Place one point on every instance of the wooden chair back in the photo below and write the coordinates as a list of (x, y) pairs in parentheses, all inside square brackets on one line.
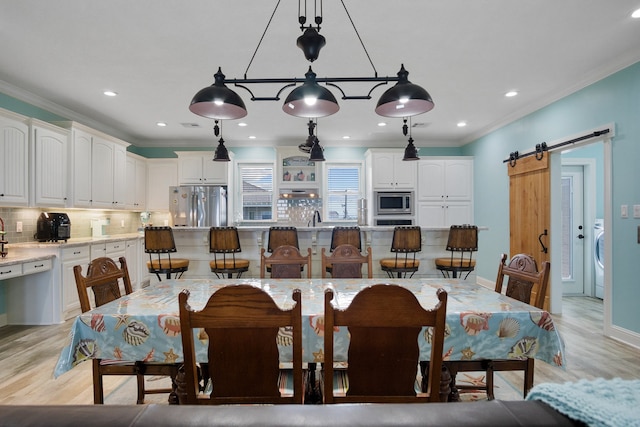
[(345, 236), (384, 322), (346, 262), (406, 239), (242, 324), (524, 279), (104, 279), (159, 240), (281, 236), (224, 240), (285, 262)]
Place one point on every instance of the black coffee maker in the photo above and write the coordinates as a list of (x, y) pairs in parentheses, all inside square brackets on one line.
[(52, 227)]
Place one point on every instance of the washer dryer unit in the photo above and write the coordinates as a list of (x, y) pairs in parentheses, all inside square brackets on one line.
[(598, 257)]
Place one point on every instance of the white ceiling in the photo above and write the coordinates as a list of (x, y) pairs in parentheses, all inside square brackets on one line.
[(61, 55)]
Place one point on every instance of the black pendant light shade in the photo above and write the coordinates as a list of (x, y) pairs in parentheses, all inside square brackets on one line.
[(317, 152), (411, 152), (311, 42), (221, 154), (310, 100), (306, 147), (404, 99), (218, 101)]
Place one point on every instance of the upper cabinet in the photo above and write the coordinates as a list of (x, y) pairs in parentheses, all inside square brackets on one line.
[(14, 159), (98, 168), (136, 176), (49, 153), (198, 167), (389, 171), (445, 191)]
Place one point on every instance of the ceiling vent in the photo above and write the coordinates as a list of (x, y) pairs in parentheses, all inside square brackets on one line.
[(190, 125)]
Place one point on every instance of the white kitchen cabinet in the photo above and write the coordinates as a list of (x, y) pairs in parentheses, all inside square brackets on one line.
[(296, 171), (98, 165), (439, 214), (161, 174), (50, 145), (445, 179), (198, 167), (108, 174), (132, 255), (70, 257), (80, 179), (389, 171), (445, 191), (136, 178), (14, 159)]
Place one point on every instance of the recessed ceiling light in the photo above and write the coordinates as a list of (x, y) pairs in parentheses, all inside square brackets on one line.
[(346, 137), (110, 93), (511, 93), (636, 13), (161, 124), (382, 124), (242, 124), (462, 124), (252, 137)]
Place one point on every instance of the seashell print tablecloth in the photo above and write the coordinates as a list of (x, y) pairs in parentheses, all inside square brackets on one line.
[(481, 324)]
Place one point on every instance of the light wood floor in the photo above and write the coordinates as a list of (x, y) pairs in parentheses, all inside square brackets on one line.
[(29, 354)]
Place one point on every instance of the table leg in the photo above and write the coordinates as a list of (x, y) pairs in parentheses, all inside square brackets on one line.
[(445, 381)]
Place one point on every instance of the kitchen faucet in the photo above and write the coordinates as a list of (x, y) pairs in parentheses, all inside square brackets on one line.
[(316, 214)]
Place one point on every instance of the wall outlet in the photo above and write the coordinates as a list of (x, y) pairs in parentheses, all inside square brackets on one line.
[(19, 227), (636, 211), (624, 211), (122, 223)]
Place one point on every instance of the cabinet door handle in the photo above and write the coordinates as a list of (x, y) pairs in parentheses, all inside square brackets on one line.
[(77, 252), (6, 272), (38, 266)]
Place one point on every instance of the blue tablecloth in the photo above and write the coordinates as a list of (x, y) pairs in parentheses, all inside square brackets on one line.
[(481, 324)]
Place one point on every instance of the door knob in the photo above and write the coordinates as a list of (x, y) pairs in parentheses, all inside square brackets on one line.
[(580, 236)]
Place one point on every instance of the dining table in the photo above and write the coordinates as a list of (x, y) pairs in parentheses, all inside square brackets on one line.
[(145, 326)]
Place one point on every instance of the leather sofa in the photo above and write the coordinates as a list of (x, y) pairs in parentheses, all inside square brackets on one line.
[(486, 413)]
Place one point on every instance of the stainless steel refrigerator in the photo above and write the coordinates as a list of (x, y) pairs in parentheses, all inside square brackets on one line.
[(198, 206)]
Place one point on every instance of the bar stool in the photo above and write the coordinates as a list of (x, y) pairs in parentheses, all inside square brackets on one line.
[(282, 236), (159, 241), (462, 243), (225, 240), (406, 240), (344, 236)]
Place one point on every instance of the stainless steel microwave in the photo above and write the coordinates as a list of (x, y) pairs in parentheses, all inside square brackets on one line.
[(394, 203)]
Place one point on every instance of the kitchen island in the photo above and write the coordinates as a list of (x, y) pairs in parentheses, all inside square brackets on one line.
[(193, 243)]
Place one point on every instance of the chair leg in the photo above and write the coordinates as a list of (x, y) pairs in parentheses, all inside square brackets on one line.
[(98, 393), (489, 380), (140, 381), (528, 376)]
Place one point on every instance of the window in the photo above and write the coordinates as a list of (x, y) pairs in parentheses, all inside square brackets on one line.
[(343, 189), (256, 191)]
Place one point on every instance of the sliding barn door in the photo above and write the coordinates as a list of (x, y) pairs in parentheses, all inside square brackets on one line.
[(529, 209)]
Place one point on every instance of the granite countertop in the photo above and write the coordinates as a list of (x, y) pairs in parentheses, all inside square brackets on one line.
[(317, 228), (20, 257)]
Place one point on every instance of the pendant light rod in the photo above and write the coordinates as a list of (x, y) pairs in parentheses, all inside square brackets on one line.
[(262, 37), (359, 38)]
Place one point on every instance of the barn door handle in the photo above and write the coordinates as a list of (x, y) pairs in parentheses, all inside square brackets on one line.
[(544, 248)]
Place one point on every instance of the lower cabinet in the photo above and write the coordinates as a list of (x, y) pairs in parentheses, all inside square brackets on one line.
[(132, 255), (70, 257)]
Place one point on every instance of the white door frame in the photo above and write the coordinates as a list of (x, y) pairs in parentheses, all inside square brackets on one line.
[(589, 215)]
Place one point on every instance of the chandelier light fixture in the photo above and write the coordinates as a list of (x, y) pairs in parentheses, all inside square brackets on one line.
[(306, 147), (410, 152), (309, 99), (221, 154)]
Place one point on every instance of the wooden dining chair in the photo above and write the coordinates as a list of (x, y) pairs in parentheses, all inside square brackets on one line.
[(341, 236), (281, 236), (346, 262), (285, 262), (224, 244), (105, 279), (462, 242), (406, 242), (523, 280), (159, 241), (384, 322), (243, 324)]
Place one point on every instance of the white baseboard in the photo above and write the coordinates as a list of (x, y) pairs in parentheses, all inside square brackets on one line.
[(489, 284), (624, 336)]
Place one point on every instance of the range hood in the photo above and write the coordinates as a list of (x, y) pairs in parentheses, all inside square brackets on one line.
[(299, 193)]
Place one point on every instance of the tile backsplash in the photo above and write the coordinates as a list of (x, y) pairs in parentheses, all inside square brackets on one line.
[(119, 222)]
